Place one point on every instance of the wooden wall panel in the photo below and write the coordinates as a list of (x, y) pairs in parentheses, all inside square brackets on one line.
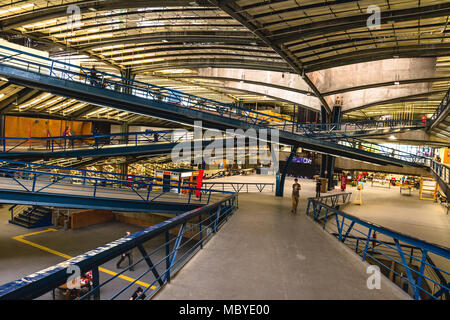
[(90, 217), (21, 127)]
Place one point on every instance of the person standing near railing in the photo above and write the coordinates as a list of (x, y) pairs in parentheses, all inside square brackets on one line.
[(95, 133), (94, 78), (70, 134), (64, 134), (47, 144)]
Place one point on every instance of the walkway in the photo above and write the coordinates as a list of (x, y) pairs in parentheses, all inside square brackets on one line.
[(87, 196), (264, 252)]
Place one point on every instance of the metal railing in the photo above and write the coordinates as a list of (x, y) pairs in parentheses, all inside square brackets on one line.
[(98, 141), (148, 189), (357, 244), (443, 106), (440, 169), (239, 187), (164, 248), (376, 244), (386, 151), (334, 200), (319, 129)]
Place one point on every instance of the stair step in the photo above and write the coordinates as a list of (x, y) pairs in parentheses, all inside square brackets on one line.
[(21, 222), (29, 217), (42, 210), (18, 223)]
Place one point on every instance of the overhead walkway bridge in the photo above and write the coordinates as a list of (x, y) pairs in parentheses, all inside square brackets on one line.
[(43, 185), (192, 229), (145, 99), (441, 173), (107, 145)]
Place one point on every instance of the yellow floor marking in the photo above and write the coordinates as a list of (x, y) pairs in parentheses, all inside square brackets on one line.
[(65, 256)]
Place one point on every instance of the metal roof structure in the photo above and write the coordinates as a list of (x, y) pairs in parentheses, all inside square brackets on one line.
[(171, 43)]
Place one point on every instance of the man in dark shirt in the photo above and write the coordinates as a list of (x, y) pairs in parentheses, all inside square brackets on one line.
[(138, 295), (295, 195), (126, 255)]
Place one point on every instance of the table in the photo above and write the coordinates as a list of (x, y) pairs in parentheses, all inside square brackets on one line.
[(74, 292)]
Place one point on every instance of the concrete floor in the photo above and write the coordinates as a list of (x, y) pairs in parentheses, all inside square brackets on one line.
[(67, 188), (265, 252)]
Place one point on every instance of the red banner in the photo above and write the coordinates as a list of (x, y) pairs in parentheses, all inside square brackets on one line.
[(343, 182), (199, 182)]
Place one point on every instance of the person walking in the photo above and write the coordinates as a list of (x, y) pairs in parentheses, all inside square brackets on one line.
[(64, 134), (318, 187), (295, 195), (126, 255)]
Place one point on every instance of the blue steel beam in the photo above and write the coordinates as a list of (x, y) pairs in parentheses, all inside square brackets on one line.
[(143, 149), (80, 202), (279, 189)]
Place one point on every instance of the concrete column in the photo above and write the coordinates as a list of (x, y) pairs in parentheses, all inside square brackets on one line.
[(335, 118), (123, 168), (2, 125), (96, 282)]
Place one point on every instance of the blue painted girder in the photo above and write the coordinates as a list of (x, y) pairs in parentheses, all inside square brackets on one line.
[(84, 202), (109, 151)]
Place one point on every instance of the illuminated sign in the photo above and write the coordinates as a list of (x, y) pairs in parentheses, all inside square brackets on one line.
[(301, 160)]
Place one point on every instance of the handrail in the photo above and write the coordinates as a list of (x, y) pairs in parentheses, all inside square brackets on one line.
[(40, 182), (345, 224), (84, 171), (39, 283), (239, 186), (434, 269), (380, 149), (95, 141), (440, 170), (443, 105)]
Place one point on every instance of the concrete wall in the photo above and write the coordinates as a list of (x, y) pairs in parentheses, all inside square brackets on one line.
[(146, 220), (90, 217), (21, 127)]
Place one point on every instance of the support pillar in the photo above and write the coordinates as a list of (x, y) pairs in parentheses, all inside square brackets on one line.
[(124, 168), (323, 162), (96, 282), (124, 128), (280, 179), (335, 118)]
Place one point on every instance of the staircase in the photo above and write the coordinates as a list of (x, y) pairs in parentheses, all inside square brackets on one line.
[(30, 216)]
